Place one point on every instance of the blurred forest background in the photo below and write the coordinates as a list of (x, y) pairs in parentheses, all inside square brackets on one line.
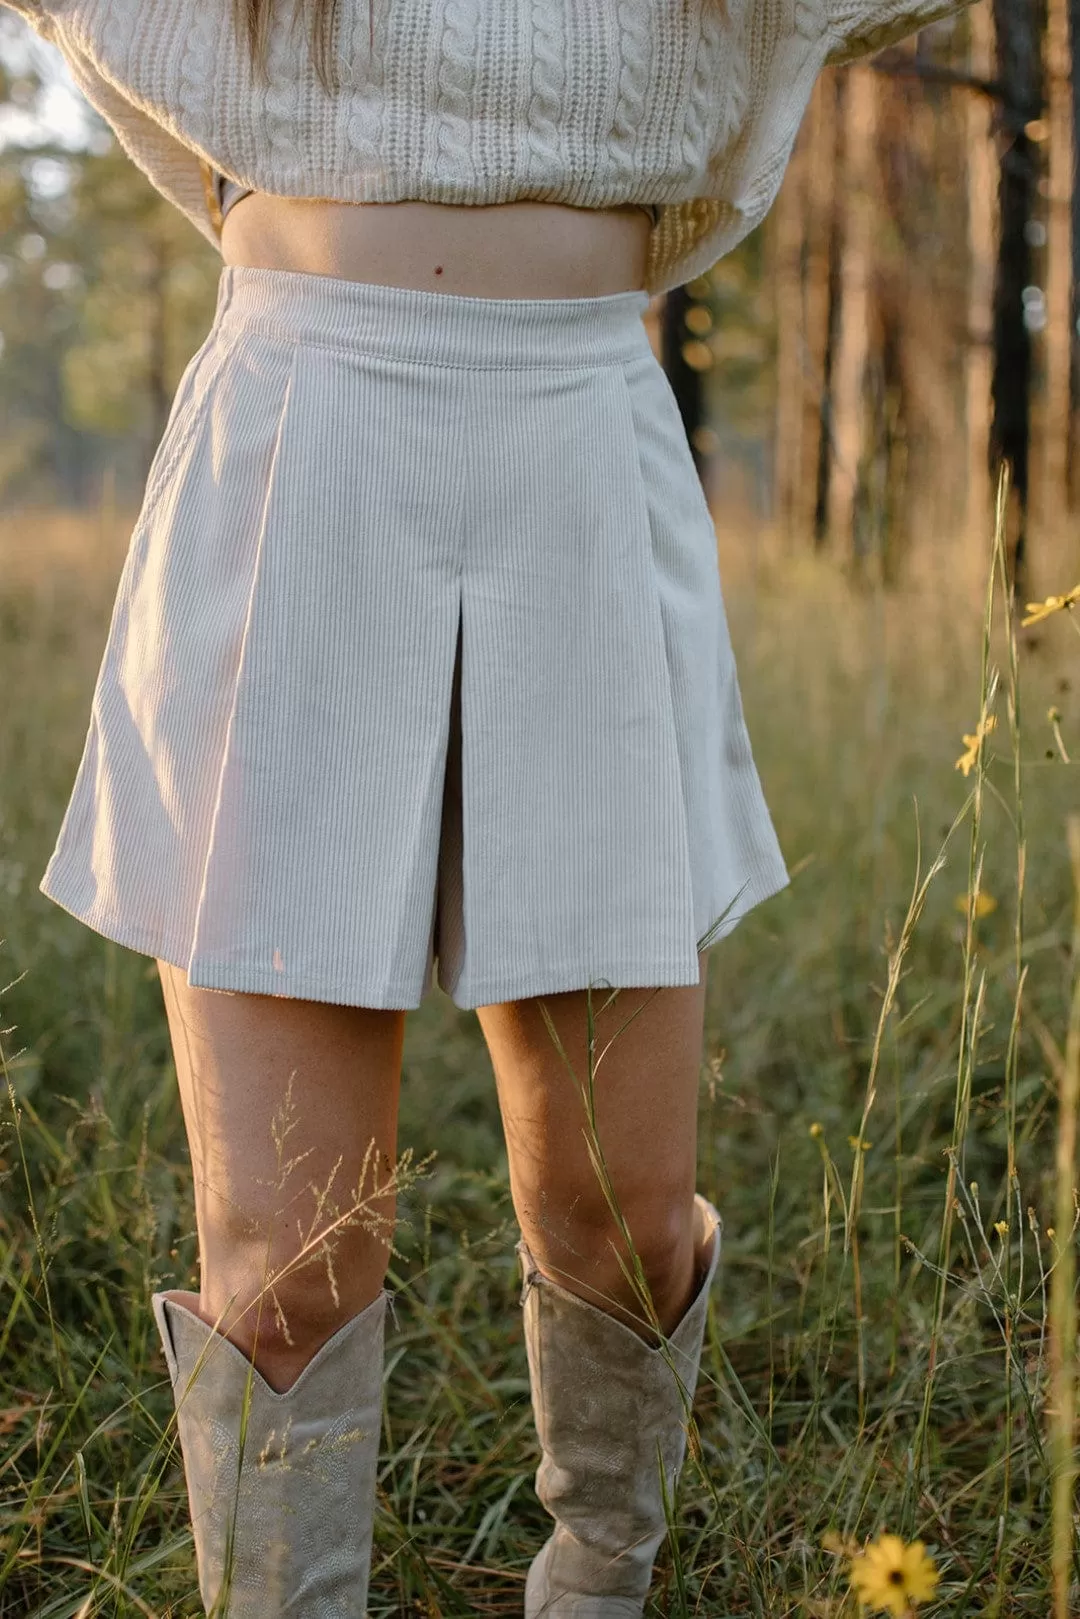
[(853, 376)]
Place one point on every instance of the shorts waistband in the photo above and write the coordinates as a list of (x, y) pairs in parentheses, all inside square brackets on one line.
[(433, 328)]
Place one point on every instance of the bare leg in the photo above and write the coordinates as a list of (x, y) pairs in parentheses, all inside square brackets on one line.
[(291, 1115), (646, 1095)]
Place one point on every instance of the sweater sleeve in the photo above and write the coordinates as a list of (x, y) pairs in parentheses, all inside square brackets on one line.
[(860, 27), (182, 175)]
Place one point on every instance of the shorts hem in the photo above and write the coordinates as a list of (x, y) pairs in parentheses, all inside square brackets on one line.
[(247, 978), (627, 973), (226, 978)]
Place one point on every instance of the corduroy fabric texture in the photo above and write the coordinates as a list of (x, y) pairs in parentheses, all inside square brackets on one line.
[(694, 104), (418, 652)]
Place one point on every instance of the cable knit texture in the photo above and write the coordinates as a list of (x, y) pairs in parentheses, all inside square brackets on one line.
[(692, 104)]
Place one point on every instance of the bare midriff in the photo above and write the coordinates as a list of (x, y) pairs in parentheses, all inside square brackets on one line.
[(520, 249)]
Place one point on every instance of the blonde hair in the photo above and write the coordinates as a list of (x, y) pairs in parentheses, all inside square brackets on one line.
[(254, 17)]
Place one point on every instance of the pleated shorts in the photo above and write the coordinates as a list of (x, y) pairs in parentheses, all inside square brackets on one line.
[(418, 670)]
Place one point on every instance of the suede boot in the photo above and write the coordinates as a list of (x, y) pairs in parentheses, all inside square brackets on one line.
[(602, 1399), (283, 1522)]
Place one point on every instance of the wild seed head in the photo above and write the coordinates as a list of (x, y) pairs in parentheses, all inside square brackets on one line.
[(1037, 611)]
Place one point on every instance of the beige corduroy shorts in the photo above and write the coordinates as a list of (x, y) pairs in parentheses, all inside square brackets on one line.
[(418, 654)]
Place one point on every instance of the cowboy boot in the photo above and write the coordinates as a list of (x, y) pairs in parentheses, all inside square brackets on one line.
[(282, 1507), (603, 1400)]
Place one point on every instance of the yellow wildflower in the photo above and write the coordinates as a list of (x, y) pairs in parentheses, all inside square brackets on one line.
[(968, 760), (858, 1144), (1001, 1227), (891, 1577), (1036, 611), (985, 904), (815, 1130)]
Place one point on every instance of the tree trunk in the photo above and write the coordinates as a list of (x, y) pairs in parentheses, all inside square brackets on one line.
[(819, 335), (788, 241), (832, 303), (1019, 31), (907, 391), (981, 233), (855, 309), (803, 230), (1054, 437), (1073, 450)]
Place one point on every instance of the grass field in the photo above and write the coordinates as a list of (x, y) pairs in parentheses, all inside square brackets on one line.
[(887, 1125)]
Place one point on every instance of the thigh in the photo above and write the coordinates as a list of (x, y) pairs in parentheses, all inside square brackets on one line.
[(290, 1108), (646, 1059)]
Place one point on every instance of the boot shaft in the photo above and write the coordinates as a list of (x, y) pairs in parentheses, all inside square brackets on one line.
[(281, 1486), (610, 1411)]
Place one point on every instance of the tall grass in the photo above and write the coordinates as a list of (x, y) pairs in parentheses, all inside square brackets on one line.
[(888, 1112)]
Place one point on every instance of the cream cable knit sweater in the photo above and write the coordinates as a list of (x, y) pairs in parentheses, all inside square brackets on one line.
[(693, 104)]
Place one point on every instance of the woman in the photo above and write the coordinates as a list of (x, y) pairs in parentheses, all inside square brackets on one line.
[(419, 654)]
